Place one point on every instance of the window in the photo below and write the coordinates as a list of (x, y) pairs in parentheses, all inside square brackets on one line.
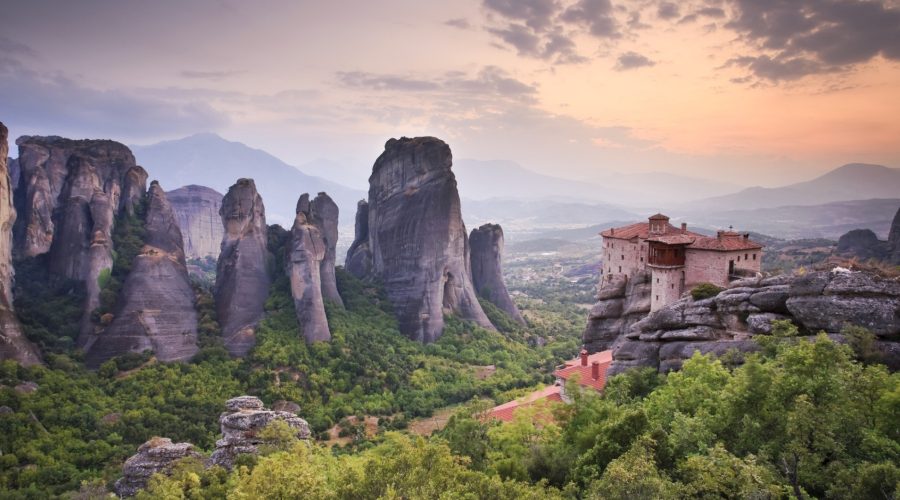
[(620, 269), (746, 257), (657, 298), (673, 286), (739, 258), (642, 259), (754, 256), (623, 257), (657, 281)]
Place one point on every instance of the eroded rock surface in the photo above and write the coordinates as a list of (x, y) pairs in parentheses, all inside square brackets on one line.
[(304, 259), (417, 240), (819, 301), (158, 455), (197, 210), (894, 238), (241, 424), (13, 344), (68, 197), (359, 257), (323, 212), (156, 307), (621, 302), (486, 244), (242, 272), (862, 244)]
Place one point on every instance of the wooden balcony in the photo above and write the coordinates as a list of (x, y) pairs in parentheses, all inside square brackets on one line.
[(662, 255)]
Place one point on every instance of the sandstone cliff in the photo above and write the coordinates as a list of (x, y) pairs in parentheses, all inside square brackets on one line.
[(621, 303), (359, 257), (819, 301), (13, 344), (323, 212), (304, 259), (242, 273), (158, 455), (244, 417), (68, 197), (862, 244), (487, 269), (417, 240), (197, 210), (894, 239), (155, 310)]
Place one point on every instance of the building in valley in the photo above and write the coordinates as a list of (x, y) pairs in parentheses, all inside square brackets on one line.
[(677, 259)]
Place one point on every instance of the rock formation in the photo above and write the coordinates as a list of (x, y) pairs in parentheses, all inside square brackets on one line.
[(818, 301), (68, 197), (304, 259), (13, 344), (197, 210), (157, 455), (241, 423), (242, 273), (621, 302), (862, 244), (359, 257), (417, 239), (323, 212), (894, 239), (487, 271), (156, 307)]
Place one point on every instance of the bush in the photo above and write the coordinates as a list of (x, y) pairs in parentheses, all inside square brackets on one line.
[(705, 291)]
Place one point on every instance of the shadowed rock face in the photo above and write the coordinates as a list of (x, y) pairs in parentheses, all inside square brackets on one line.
[(157, 455), (242, 276), (621, 302), (241, 423), (487, 271), (197, 210), (894, 239), (13, 344), (305, 256), (68, 196), (359, 258), (418, 243), (156, 307), (323, 212), (820, 301), (862, 244)]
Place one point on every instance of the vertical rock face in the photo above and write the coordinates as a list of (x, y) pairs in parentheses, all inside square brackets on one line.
[(621, 302), (197, 210), (323, 212), (305, 257), (158, 455), (241, 423), (156, 307), (68, 196), (862, 244), (13, 344), (359, 258), (487, 269), (242, 275), (418, 243), (894, 239)]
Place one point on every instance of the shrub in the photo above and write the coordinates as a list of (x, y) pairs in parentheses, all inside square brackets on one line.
[(705, 291)]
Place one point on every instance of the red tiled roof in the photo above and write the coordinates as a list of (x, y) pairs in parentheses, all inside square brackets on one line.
[(674, 239), (729, 241), (658, 216), (642, 230), (584, 373), (506, 411)]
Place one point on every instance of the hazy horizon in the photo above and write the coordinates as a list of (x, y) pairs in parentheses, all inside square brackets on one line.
[(729, 90)]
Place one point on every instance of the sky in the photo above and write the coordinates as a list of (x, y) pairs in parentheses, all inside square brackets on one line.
[(751, 92)]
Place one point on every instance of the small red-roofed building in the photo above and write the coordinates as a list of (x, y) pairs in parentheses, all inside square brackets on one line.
[(677, 259), (507, 411), (587, 370)]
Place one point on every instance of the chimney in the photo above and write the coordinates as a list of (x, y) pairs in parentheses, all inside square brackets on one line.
[(595, 370), (612, 230), (746, 236), (683, 227), (584, 357), (719, 234)]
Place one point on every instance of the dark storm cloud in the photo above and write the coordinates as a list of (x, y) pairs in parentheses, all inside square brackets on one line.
[(597, 15), (35, 100), (632, 60), (802, 37), (667, 10)]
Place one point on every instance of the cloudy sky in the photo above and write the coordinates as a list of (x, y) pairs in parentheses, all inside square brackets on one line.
[(748, 91)]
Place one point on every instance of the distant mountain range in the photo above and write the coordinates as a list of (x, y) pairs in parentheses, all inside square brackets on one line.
[(211, 161), (855, 181)]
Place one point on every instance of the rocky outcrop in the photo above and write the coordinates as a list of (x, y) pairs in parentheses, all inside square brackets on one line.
[(305, 256), (13, 344), (197, 210), (68, 197), (158, 455), (359, 257), (417, 240), (323, 212), (862, 244), (242, 272), (486, 244), (894, 239), (621, 302), (241, 424), (819, 301), (156, 307)]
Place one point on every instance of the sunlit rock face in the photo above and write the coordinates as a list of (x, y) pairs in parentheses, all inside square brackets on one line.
[(13, 344), (487, 269), (68, 197), (304, 260), (156, 307), (242, 273), (197, 210), (416, 238)]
